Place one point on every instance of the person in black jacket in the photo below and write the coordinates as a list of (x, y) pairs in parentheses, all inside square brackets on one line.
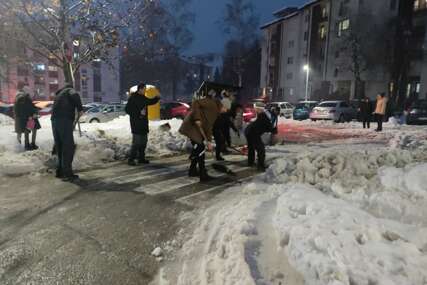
[(24, 111), (365, 109), (254, 131), (136, 108), (66, 104), (221, 133)]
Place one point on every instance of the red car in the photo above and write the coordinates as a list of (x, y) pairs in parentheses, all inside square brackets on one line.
[(171, 110), (249, 113)]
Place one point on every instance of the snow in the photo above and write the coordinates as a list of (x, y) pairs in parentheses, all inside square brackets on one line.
[(326, 215), (5, 120), (157, 252), (99, 143)]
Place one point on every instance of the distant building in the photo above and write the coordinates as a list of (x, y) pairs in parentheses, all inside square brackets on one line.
[(314, 38), (96, 82)]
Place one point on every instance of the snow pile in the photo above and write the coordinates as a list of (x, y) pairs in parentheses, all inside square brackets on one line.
[(99, 143), (333, 242), (330, 218), (5, 120), (347, 169)]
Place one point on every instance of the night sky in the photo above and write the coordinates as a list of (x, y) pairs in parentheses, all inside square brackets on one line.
[(208, 36)]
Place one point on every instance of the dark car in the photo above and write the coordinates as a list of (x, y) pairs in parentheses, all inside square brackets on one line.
[(171, 110), (417, 113), (356, 105), (7, 110), (302, 110)]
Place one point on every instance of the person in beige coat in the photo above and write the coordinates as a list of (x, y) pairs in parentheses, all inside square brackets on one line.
[(380, 110), (198, 127)]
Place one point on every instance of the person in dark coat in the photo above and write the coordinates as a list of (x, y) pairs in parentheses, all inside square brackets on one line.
[(25, 111), (198, 127), (66, 104), (254, 131), (221, 133), (365, 109), (136, 108)]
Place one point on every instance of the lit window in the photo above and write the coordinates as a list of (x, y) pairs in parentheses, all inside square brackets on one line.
[(322, 32), (343, 26), (39, 67)]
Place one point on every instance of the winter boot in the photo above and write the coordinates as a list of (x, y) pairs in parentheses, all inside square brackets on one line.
[(193, 170), (34, 146), (70, 178), (205, 177), (28, 147), (143, 161)]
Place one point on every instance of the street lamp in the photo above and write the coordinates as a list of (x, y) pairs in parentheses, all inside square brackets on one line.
[(306, 69)]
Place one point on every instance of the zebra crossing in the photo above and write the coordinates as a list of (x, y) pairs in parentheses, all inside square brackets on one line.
[(167, 178)]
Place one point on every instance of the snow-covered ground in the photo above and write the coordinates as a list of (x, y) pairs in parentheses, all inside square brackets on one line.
[(99, 143), (332, 213)]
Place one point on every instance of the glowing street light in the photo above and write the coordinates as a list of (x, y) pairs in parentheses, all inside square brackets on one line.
[(306, 69)]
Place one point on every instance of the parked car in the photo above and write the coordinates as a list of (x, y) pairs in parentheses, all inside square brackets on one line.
[(89, 106), (302, 110), (103, 114), (356, 105), (338, 111), (417, 113), (286, 109), (7, 109), (171, 110)]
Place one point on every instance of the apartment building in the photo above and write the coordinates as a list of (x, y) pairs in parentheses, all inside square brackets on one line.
[(96, 82), (326, 39)]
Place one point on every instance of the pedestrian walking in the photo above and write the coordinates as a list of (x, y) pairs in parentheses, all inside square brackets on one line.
[(137, 109), (26, 118), (380, 110), (66, 104), (365, 111), (198, 127), (254, 131)]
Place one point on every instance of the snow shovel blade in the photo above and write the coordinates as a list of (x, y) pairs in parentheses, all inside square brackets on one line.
[(223, 169)]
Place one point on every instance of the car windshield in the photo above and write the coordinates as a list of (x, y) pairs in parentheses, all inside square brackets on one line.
[(93, 110), (420, 104), (328, 105), (301, 106)]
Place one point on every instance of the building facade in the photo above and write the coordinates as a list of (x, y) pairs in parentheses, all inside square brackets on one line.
[(348, 48), (96, 82)]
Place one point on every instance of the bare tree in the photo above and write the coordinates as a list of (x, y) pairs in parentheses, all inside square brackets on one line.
[(73, 32), (364, 47), (240, 23)]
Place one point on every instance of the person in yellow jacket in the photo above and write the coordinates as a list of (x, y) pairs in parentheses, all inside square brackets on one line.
[(380, 110)]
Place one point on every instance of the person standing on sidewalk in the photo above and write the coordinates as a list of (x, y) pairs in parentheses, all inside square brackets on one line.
[(66, 104), (198, 127), (136, 108), (365, 109), (380, 110), (25, 112)]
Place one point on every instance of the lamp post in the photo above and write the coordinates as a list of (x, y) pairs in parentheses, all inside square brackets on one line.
[(306, 69)]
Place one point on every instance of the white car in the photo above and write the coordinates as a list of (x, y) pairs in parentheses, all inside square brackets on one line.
[(286, 108), (103, 114)]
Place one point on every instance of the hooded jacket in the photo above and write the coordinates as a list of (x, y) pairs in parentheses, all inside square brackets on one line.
[(136, 108), (206, 111), (262, 124), (23, 110)]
